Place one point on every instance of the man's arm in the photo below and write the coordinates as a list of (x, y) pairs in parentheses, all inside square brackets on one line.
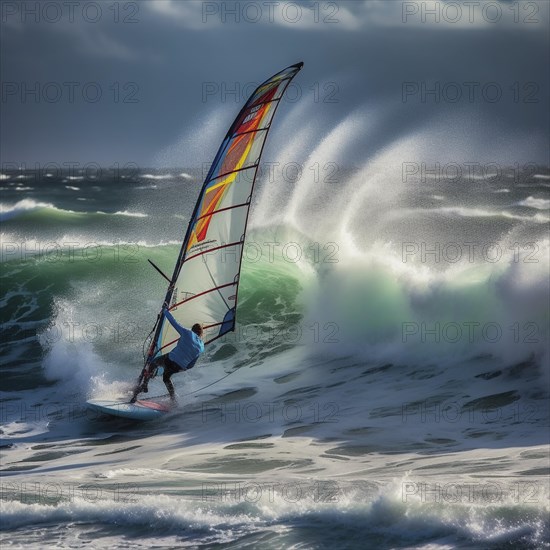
[(181, 330)]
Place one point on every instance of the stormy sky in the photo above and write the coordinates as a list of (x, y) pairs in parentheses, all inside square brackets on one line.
[(157, 82)]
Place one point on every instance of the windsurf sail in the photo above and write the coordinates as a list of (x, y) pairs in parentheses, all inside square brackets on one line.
[(205, 284)]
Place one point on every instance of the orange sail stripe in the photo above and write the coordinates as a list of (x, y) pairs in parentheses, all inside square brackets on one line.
[(240, 147)]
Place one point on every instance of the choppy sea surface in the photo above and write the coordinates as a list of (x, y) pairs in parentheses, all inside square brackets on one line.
[(387, 385)]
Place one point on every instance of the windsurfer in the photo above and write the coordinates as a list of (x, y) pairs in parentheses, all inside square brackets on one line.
[(183, 357)]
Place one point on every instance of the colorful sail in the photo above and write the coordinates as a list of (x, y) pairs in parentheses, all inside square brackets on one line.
[(205, 282)]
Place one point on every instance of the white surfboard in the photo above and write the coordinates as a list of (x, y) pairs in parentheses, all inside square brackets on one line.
[(140, 410)]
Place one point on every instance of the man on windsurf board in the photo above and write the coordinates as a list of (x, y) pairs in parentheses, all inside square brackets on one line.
[(183, 357)]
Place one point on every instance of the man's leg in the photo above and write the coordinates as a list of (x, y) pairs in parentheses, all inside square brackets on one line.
[(142, 385), (170, 368), (168, 383)]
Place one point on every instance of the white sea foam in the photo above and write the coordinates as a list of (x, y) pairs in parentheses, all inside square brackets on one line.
[(131, 214), (532, 202), (20, 429), (124, 213), (359, 514), (8, 211), (466, 212), (157, 176), (24, 248)]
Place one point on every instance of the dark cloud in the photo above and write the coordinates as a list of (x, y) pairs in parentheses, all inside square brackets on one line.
[(153, 75)]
